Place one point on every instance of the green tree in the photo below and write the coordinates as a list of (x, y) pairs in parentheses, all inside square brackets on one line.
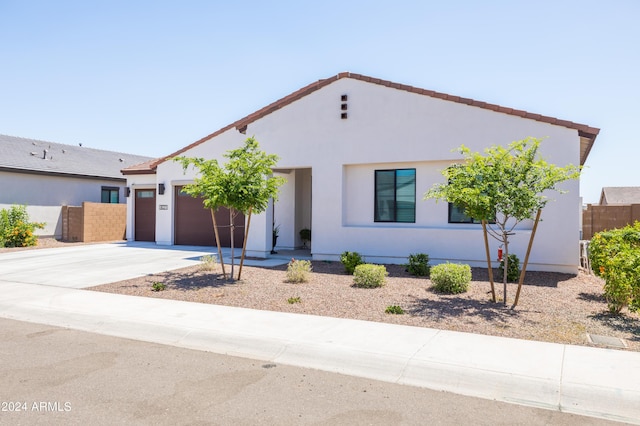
[(502, 188), (243, 184)]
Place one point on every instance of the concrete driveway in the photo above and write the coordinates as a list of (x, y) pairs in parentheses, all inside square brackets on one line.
[(88, 265)]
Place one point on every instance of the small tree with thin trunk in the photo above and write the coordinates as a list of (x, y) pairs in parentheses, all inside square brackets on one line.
[(502, 188), (243, 184)]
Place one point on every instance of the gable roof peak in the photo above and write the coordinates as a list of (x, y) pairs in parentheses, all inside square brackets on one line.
[(586, 133)]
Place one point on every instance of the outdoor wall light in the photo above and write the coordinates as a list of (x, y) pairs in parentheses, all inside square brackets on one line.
[(161, 188), (127, 191)]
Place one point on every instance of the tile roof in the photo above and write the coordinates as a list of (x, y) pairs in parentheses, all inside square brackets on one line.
[(587, 134), (620, 195), (36, 156)]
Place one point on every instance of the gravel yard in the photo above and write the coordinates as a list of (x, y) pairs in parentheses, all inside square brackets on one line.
[(553, 307)]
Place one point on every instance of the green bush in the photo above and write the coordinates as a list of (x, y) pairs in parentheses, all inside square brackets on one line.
[(351, 259), (418, 264), (298, 271), (293, 300), (15, 228), (394, 309), (369, 276), (158, 286), (451, 278), (513, 272), (615, 257)]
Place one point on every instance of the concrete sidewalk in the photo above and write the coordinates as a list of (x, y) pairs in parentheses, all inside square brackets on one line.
[(588, 381)]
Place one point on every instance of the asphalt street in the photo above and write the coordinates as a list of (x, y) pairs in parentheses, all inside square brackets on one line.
[(57, 376)]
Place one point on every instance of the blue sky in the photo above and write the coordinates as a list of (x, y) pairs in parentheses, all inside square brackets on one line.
[(149, 77)]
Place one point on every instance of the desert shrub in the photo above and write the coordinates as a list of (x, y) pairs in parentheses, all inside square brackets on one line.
[(418, 264), (293, 300), (394, 309), (158, 286), (513, 270), (208, 263), (298, 271), (451, 278), (368, 275), (15, 228), (615, 257), (351, 259)]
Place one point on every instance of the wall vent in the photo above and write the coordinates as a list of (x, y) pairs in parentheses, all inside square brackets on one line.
[(344, 107)]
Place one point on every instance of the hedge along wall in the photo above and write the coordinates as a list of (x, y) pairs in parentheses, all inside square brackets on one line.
[(598, 218), (94, 222)]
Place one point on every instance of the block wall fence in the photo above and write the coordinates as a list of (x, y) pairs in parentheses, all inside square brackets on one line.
[(94, 222), (598, 218)]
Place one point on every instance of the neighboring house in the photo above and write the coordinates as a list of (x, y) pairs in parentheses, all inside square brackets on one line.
[(620, 195), (358, 154), (45, 176)]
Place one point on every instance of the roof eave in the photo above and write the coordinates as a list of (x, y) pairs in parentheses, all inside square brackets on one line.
[(126, 172), (62, 174)]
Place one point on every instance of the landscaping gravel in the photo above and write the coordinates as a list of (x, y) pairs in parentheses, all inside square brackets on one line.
[(553, 307)]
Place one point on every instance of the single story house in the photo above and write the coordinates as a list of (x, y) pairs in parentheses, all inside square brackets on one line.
[(45, 176), (358, 154)]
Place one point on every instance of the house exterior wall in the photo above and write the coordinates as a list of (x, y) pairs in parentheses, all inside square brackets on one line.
[(387, 129), (44, 196), (284, 212)]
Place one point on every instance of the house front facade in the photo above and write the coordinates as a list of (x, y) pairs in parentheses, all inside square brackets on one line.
[(358, 154)]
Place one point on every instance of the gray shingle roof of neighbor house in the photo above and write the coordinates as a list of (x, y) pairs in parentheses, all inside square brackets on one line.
[(620, 195), (35, 156), (586, 133)]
